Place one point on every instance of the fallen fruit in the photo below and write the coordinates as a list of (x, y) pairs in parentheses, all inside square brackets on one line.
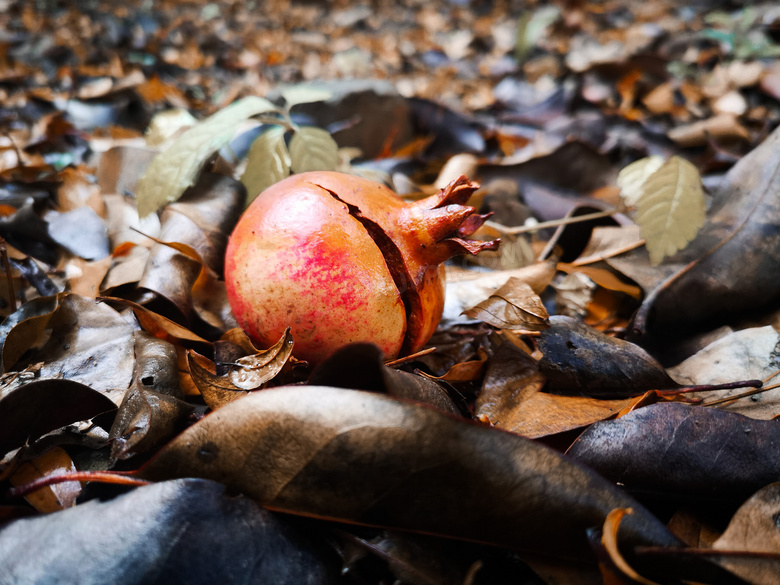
[(340, 259)]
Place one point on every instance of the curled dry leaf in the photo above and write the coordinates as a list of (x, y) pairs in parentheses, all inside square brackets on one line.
[(513, 306), (683, 450), (367, 458), (244, 373)]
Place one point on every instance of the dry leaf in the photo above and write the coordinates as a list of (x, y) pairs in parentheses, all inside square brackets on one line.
[(513, 306), (671, 208)]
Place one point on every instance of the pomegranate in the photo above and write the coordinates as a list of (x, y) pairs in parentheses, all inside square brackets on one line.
[(339, 259)]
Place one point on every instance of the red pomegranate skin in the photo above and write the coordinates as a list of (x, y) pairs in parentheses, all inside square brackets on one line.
[(340, 259)]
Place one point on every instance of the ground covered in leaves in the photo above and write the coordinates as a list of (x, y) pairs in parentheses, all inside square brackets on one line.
[(598, 402)]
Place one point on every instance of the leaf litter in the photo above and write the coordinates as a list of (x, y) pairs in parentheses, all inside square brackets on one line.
[(543, 105)]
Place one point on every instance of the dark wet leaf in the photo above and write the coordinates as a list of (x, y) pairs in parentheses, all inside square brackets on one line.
[(185, 531), (455, 133), (578, 359), (42, 406), (366, 458), (683, 450), (359, 366), (732, 264), (36, 276), (156, 365), (26, 231)]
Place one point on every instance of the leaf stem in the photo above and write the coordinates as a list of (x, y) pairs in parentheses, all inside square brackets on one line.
[(522, 229), (115, 477)]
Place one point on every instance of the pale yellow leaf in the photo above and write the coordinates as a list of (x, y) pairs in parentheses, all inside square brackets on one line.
[(268, 162), (176, 168), (632, 178), (671, 209), (313, 149)]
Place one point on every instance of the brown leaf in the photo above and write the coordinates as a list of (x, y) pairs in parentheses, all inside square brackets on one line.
[(24, 328), (513, 306), (371, 459), (52, 498), (249, 372), (34, 409), (89, 342), (512, 400)]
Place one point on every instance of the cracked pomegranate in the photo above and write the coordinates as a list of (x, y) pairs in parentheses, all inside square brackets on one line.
[(339, 259)]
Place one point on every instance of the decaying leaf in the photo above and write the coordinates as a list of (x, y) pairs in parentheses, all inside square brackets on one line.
[(753, 530), (513, 306), (578, 359), (52, 498), (670, 205), (268, 162), (245, 373), (367, 458), (683, 450), (573, 293), (313, 149), (176, 169)]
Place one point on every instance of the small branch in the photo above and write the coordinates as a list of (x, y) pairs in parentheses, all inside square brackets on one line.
[(514, 230), (7, 268), (115, 477), (727, 399), (709, 387)]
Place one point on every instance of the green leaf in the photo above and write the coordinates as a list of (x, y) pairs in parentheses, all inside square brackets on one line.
[(632, 178), (671, 208), (176, 169), (268, 162), (313, 149), (304, 94)]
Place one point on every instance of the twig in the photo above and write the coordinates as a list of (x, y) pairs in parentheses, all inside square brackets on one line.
[(513, 230), (115, 477), (7, 268), (726, 399)]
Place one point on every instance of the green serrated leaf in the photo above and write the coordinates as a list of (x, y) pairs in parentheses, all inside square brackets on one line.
[(304, 94), (268, 162), (176, 168), (313, 149), (671, 209), (632, 178)]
